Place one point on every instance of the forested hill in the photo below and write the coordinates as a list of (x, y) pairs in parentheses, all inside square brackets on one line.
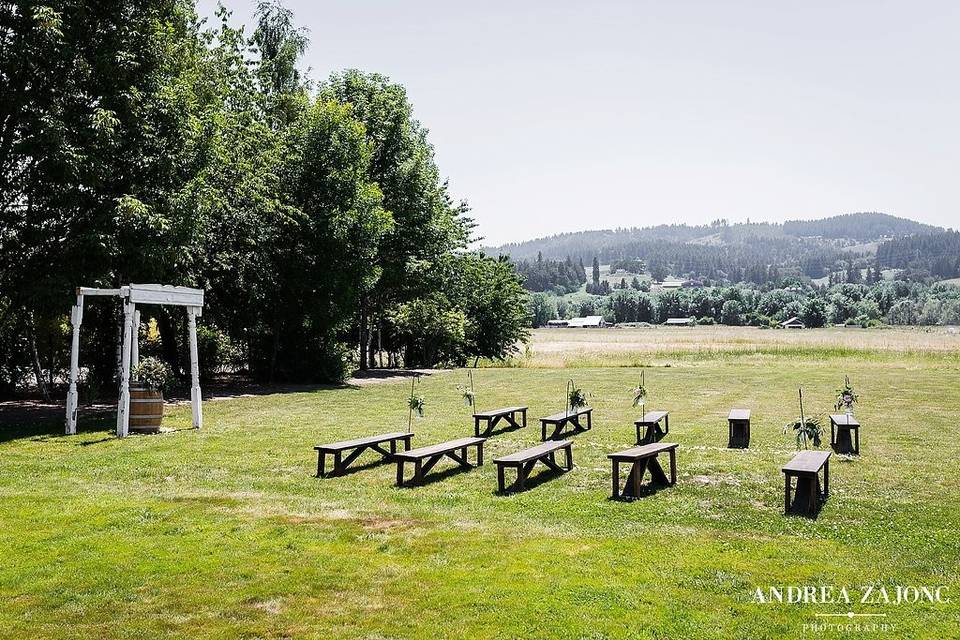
[(795, 236), (858, 226)]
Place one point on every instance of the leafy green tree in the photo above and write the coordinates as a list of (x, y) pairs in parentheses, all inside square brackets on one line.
[(541, 309)]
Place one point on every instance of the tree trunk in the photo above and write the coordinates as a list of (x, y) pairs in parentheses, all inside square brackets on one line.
[(35, 357), (274, 351), (363, 338)]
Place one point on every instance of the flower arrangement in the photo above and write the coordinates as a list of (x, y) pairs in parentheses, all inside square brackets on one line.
[(576, 398), (414, 403), (846, 396), (469, 395), (640, 393), (153, 373), (808, 430)]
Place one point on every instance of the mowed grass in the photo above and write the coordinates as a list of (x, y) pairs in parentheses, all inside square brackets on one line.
[(225, 533)]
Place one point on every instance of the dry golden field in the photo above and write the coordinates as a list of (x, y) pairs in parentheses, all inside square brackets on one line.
[(633, 346)]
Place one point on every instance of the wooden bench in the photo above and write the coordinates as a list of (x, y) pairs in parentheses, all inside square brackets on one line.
[(492, 417), (649, 424), (738, 423), (840, 427), (643, 458), (525, 460), (560, 420), (425, 458), (805, 467), (357, 446)]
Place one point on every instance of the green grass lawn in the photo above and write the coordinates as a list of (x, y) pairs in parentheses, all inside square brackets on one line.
[(224, 532)]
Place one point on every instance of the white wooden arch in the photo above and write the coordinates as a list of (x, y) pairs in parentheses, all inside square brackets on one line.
[(132, 295)]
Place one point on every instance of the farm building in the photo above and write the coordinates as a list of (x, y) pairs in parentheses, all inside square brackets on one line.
[(557, 324), (793, 323), (679, 322), (588, 322)]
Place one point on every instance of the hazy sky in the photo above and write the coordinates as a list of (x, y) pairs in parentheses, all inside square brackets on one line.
[(561, 116)]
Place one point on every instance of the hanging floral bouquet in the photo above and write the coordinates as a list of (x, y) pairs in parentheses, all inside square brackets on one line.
[(416, 405), (469, 395), (846, 397), (576, 398)]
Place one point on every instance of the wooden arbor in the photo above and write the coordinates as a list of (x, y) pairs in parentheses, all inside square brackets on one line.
[(132, 295)]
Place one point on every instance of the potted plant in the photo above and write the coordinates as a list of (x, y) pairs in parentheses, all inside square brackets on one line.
[(151, 377), (807, 429), (846, 397)]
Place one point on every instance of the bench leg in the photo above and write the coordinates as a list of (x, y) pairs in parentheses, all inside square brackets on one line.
[(393, 447), (569, 452), (786, 493), (524, 415), (406, 442), (657, 476), (826, 478), (500, 479), (673, 467), (321, 463), (636, 476), (418, 471), (479, 454), (857, 449), (616, 479), (476, 427), (337, 463), (399, 472), (590, 420)]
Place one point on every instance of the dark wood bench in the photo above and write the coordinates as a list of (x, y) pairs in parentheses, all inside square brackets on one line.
[(525, 460), (840, 427), (561, 420), (805, 467), (649, 425), (492, 417), (424, 458), (643, 458), (357, 447), (738, 423)]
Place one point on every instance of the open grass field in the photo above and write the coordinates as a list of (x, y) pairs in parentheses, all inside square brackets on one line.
[(225, 533)]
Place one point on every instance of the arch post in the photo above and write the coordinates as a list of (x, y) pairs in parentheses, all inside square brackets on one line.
[(195, 398), (76, 319), (123, 406)]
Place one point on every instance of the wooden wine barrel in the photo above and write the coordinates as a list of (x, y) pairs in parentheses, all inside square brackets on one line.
[(146, 410)]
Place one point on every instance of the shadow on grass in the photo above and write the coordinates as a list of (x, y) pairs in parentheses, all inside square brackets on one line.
[(545, 475), (646, 490), (436, 476), (366, 466)]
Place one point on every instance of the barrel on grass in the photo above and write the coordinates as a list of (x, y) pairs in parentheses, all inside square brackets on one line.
[(146, 409)]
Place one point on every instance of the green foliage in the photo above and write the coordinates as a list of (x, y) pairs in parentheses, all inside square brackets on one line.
[(154, 374), (576, 398), (808, 431)]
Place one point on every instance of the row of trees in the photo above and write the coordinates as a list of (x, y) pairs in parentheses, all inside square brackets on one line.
[(559, 276), (893, 302), (139, 145)]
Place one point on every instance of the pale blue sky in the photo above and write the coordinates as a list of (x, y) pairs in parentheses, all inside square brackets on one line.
[(561, 116)]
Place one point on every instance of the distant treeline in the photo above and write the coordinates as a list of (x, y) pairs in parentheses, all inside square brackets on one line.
[(936, 254), (891, 302)]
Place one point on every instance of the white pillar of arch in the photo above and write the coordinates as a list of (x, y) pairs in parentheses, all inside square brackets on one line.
[(123, 406), (76, 319), (135, 345), (195, 398)]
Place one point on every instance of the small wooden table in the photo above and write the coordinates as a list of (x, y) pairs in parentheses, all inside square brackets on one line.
[(425, 458), (560, 420), (805, 467), (840, 427), (739, 426), (492, 417), (649, 424), (357, 446), (643, 458), (525, 460)]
